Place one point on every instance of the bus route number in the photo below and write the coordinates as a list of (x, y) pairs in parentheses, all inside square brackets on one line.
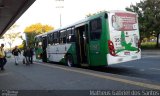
[(117, 39)]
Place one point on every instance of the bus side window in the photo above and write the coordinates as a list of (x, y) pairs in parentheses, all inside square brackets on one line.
[(68, 33), (61, 41), (87, 37), (53, 38), (95, 28), (50, 39), (48, 36), (64, 39), (56, 38), (64, 36), (72, 38), (67, 39)]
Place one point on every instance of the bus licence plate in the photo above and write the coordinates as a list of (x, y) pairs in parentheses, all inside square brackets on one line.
[(126, 53)]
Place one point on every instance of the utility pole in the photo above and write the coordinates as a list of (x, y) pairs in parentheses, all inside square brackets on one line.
[(59, 5)]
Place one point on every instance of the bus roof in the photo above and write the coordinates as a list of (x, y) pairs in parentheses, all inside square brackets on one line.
[(84, 20), (114, 11)]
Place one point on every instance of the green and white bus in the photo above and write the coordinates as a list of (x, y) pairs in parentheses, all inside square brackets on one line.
[(103, 39)]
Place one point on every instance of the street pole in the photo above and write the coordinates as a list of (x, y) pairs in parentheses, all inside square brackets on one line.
[(60, 6), (60, 21)]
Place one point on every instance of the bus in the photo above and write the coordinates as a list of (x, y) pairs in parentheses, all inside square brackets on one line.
[(103, 39)]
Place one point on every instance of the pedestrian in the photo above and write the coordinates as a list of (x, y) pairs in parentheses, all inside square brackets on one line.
[(31, 55), (16, 53), (24, 56), (3, 60), (27, 55)]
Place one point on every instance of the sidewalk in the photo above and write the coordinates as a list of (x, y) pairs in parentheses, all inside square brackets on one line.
[(151, 52)]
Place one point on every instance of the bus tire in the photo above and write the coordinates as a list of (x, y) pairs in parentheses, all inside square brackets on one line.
[(69, 61)]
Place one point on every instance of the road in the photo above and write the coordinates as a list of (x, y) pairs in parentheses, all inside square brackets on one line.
[(135, 75)]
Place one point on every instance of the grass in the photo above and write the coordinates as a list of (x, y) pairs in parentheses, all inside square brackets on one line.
[(148, 45)]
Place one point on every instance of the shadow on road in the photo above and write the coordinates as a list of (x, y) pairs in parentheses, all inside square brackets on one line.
[(110, 69), (130, 72)]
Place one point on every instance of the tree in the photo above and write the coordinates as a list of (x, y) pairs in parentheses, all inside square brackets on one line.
[(149, 16), (11, 35), (88, 15), (35, 29)]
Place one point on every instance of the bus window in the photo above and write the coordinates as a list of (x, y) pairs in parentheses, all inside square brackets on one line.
[(70, 35), (55, 41), (73, 31), (64, 39), (72, 38), (50, 38), (95, 29), (56, 38), (69, 31), (38, 40), (63, 36)]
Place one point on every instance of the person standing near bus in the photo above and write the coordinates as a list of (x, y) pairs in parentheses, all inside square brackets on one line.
[(16, 53), (31, 55), (2, 57), (28, 55)]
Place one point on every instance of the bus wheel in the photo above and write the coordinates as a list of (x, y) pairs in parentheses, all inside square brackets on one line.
[(69, 60)]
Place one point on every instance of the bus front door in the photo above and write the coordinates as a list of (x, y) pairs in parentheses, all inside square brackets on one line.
[(44, 46)]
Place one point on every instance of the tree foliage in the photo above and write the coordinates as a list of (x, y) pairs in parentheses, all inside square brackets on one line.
[(11, 35), (149, 16), (91, 14), (38, 28), (35, 29)]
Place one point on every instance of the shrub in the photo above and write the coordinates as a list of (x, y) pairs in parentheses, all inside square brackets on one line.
[(148, 45)]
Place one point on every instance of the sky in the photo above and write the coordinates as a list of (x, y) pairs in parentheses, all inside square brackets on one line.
[(45, 11)]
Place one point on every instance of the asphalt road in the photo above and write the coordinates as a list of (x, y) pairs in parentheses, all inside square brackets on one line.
[(135, 75)]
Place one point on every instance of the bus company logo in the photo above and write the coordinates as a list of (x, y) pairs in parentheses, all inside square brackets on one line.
[(94, 47)]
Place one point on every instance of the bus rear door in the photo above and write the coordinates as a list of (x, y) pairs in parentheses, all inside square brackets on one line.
[(82, 44)]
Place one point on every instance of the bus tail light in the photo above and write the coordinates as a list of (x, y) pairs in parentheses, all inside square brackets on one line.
[(111, 48)]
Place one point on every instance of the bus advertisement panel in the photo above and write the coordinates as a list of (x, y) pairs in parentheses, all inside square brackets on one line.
[(124, 35)]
